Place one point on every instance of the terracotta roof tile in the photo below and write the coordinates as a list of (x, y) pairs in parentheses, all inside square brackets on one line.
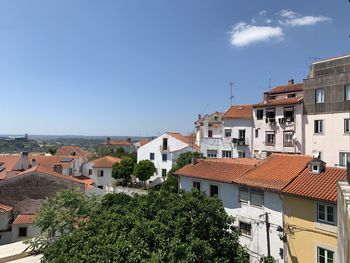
[(51, 161), (215, 170), (24, 219), (144, 142), (287, 88), (105, 162), (187, 140), (321, 186), (72, 150), (276, 102), (275, 172), (239, 112), (9, 162), (5, 208)]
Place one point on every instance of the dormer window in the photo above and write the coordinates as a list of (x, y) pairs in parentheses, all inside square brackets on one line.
[(317, 166), (291, 95)]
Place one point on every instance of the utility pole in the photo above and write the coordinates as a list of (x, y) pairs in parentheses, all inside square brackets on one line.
[(268, 233), (231, 97)]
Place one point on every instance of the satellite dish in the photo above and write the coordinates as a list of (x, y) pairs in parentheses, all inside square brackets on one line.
[(315, 154)]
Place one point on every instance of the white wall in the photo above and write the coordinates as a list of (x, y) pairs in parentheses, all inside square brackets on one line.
[(32, 231), (332, 142), (229, 194), (106, 180)]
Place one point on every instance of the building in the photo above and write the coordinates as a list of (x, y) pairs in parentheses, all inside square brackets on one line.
[(73, 150), (228, 134), (310, 214), (327, 110), (343, 220), (13, 164), (278, 126), (114, 145), (164, 150), (101, 173)]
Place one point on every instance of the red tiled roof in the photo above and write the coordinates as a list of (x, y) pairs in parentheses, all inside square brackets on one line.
[(51, 161), (144, 141), (321, 186), (239, 112), (105, 162), (187, 140), (24, 219), (9, 162), (72, 150), (5, 208), (287, 88), (275, 172), (276, 102), (215, 170)]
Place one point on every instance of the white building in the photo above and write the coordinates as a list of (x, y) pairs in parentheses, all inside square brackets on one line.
[(343, 216), (226, 135), (164, 150), (278, 121), (327, 110), (249, 193)]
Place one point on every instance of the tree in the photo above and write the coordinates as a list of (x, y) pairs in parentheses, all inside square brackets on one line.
[(52, 150), (123, 169), (144, 170), (268, 259), (157, 227)]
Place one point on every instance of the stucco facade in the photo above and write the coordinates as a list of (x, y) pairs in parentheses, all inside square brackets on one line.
[(343, 211)]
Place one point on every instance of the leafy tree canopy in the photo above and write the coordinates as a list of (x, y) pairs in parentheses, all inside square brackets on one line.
[(123, 169), (158, 227), (144, 170)]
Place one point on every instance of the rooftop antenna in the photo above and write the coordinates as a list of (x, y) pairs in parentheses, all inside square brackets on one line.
[(269, 83), (231, 97)]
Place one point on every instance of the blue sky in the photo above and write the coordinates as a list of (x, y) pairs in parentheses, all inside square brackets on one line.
[(144, 67)]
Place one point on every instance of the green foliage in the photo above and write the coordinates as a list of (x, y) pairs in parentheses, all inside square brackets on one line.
[(158, 227), (144, 170), (124, 169), (103, 150), (186, 158), (52, 150), (268, 259), (64, 212)]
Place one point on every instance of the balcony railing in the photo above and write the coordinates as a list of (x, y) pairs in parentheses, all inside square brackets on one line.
[(240, 141)]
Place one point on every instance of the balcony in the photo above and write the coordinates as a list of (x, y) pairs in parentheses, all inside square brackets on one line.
[(164, 148), (286, 120), (240, 141)]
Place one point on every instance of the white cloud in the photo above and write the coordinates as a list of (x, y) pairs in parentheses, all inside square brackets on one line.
[(262, 12), (244, 34), (306, 20), (287, 13), (268, 21)]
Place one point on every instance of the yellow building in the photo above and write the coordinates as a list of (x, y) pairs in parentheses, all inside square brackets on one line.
[(309, 214)]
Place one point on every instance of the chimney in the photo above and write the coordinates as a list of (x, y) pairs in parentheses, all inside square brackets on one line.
[(266, 97), (199, 116), (25, 161), (33, 162), (290, 82), (108, 141)]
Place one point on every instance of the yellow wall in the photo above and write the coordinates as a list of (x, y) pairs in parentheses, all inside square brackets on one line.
[(303, 231)]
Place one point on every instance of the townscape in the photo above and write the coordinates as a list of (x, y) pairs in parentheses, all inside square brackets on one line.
[(279, 167)]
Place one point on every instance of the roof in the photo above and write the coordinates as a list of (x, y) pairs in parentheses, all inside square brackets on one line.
[(331, 58), (105, 162), (144, 141), (188, 140), (287, 88), (322, 186), (118, 142), (48, 171), (9, 162), (24, 219), (275, 172), (276, 102), (239, 112), (5, 208), (72, 150), (221, 170), (51, 161)]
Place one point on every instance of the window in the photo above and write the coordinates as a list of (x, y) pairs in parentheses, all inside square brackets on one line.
[(272, 97), (241, 134), (165, 144), (100, 173), (243, 195), (270, 113), (319, 95), (288, 138), (151, 156), (212, 153), (210, 133), (163, 172), (347, 92), (227, 132), (100, 186), (326, 213), (22, 232), (70, 171), (214, 190), (245, 228), (315, 168), (291, 95), (256, 198), (164, 157), (346, 125), (343, 158), (270, 138), (318, 126), (241, 154), (259, 114), (288, 113), (197, 185), (256, 133), (226, 154), (325, 255), (90, 171)]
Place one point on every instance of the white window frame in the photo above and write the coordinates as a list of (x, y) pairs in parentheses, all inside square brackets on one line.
[(100, 173), (319, 95), (199, 185), (346, 93), (226, 154), (218, 195), (326, 214), (166, 159), (326, 259), (211, 155), (347, 125), (318, 127), (343, 156), (245, 223), (228, 132)]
